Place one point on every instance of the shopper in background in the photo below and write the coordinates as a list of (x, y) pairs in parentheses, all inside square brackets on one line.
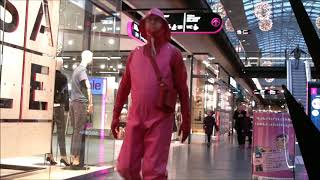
[(240, 125), (208, 124), (297, 55), (249, 129), (155, 74)]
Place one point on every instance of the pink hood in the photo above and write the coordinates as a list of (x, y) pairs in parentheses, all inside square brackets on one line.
[(159, 13)]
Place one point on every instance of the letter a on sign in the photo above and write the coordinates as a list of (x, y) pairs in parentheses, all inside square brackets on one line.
[(43, 26)]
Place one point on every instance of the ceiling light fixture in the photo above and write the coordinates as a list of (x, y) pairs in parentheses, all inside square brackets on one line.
[(65, 66), (257, 83), (269, 80), (218, 8), (263, 10), (102, 66), (115, 57), (318, 22), (111, 41), (102, 57), (229, 26), (70, 42), (74, 66), (119, 66), (265, 25), (267, 63)]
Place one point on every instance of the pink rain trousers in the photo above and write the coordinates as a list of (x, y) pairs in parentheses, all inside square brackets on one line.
[(148, 131)]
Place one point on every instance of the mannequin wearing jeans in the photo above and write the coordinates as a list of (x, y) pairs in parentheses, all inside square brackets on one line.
[(148, 131)]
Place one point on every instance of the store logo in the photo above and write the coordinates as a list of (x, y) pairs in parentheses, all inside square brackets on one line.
[(215, 22)]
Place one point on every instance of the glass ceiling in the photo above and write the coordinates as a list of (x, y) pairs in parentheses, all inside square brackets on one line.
[(231, 34), (285, 33)]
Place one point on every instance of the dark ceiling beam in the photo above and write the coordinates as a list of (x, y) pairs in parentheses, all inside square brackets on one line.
[(273, 72), (309, 33)]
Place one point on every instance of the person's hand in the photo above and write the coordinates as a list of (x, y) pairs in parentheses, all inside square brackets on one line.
[(90, 108), (115, 127), (185, 130)]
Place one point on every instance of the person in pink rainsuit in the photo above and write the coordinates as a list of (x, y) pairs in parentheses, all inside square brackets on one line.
[(148, 132)]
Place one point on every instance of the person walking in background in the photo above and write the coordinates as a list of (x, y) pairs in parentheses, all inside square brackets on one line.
[(297, 55), (155, 74), (240, 125), (208, 124), (249, 120)]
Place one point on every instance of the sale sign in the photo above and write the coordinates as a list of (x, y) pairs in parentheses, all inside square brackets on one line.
[(273, 142)]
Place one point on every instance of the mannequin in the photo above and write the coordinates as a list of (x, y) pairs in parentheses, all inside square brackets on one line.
[(148, 132), (61, 104), (81, 105)]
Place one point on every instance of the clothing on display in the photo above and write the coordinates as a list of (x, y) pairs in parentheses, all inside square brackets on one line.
[(61, 104), (78, 118), (79, 74)]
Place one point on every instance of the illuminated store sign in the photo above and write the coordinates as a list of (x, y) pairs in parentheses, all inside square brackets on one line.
[(314, 103), (185, 23), (191, 23), (267, 92), (134, 33), (97, 85)]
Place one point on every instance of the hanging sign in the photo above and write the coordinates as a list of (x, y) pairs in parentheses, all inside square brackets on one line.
[(194, 23), (184, 23)]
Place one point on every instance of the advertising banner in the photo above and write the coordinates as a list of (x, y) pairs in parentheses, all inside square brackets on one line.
[(273, 143)]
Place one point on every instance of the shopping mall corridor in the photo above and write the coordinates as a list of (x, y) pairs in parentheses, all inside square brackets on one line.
[(222, 161)]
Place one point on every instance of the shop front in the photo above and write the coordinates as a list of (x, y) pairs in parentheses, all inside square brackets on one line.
[(210, 90), (34, 34)]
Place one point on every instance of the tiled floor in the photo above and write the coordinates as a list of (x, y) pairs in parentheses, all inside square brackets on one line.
[(222, 161)]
